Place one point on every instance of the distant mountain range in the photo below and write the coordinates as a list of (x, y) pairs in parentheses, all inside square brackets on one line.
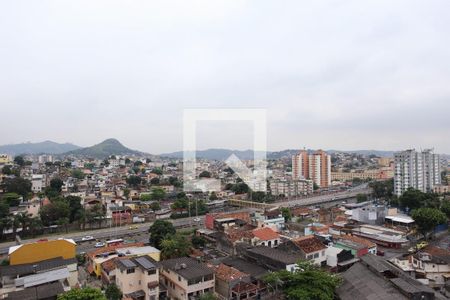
[(223, 154), (104, 149), (47, 147)]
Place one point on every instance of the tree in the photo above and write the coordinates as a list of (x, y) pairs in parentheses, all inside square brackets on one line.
[(382, 189), (137, 163), (13, 199), (208, 296), (76, 209), (361, 198), (87, 293), (198, 241), (414, 199), (146, 197), (98, 213), (154, 180), (427, 219), (158, 232), (205, 174), (213, 196), (18, 185), (18, 160), (50, 214), (113, 292), (134, 180), (307, 282), (4, 217), (77, 173), (126, 193), (315, 186), (155, 206), (7, 170), (173, 246), (445, 208), (157, 171), (286, 213), (23, 219), (240, 188), (158, 193), (56, 184)]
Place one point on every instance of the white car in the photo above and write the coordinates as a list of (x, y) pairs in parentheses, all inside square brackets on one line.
[(99, 245), (197, 219), (87, 238)]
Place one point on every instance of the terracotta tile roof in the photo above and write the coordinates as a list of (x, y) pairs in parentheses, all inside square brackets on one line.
[(358, 240), (265, 234), (243, 287), (435, 250), (237, 234), (109, 265), (227, 273), (300, 211), (309, 244)]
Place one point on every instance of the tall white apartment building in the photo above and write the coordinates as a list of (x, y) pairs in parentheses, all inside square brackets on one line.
[(418, 170)]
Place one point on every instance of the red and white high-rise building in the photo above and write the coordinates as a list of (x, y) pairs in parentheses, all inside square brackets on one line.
[(315, 166)]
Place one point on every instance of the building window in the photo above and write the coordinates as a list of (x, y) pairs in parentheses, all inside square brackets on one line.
[(179, 278), (316, 255), (151, 272), (129, 271)]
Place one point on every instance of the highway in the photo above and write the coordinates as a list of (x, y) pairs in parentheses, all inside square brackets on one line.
[(108, 233), (140, 233), (324, 198)]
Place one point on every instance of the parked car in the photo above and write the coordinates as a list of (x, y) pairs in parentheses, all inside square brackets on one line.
[(197, 219), (99, 245), (87, 238), (380, 253), (133, 227)]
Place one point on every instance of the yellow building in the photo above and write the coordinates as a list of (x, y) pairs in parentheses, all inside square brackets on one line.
[(99, 256), (5, 159), (38, 251)]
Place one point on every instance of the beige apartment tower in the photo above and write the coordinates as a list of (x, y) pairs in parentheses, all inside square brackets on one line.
[(315, 166)]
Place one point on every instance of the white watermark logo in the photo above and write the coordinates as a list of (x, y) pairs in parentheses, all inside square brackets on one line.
[(255, 179)]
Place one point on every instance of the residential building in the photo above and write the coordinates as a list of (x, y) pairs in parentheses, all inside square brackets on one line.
[(315, 166), (290, 188), (229, 283), (265, 236), (417, 170), (273, 259), (185, 278), (38, 183), (356, 245), (42, 250), (382, 236), (374, 278), (33, 280), (430, 265), (308, 247), (5, 159), (138, 278)]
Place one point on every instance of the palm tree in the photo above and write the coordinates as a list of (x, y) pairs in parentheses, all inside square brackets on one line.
[(35, 225), (23, 219)]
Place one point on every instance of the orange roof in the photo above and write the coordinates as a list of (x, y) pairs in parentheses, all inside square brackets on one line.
[(265, 234), (109, 265), (45, 202), (227, 273), (309, 244)]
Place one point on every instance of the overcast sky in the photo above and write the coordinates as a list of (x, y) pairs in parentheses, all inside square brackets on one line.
[(331, 74)]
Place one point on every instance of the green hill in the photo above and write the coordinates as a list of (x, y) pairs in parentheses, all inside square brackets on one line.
[(104, 149)]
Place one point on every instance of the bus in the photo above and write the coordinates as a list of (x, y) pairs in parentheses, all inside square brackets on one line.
[(114, 242)]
